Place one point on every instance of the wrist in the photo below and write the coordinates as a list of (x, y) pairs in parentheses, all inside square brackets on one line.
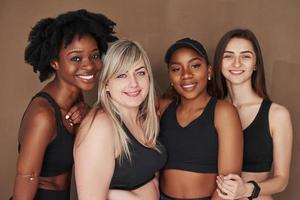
[(249, 189), (256, 190)]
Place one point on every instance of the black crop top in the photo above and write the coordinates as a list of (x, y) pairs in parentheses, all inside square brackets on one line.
[(58, 157), (145, 162), (192, 148), (258, 143)]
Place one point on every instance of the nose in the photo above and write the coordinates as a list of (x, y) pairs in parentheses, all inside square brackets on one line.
[(186, 73), (237, 62), (132, 81), (90, 64)]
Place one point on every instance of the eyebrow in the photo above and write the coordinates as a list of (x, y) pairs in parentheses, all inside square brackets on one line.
[(79, 51), (247, 51), (140, 68)]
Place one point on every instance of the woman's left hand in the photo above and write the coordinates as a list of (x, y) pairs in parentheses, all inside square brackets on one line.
[(232, 186), (77, 113)]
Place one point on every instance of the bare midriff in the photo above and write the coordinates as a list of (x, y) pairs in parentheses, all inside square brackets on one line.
[(59, 182), (184, 184)]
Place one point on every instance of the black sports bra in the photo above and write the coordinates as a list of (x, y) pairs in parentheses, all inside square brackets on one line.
[(258, 143), (194, 147), (145, 162)]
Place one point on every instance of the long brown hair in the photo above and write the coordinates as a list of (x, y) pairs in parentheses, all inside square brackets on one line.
[(258, 76)]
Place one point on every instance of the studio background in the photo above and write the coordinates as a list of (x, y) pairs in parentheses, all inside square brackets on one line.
[(155, 24)]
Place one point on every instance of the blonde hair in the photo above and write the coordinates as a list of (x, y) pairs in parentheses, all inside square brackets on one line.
[(120, 57)]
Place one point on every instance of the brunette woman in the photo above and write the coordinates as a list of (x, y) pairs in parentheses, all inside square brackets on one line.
[(239, 73)]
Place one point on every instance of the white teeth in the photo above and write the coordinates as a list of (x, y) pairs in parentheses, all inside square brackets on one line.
[(86, 77), (188, 85), (236, 71), (132, 93)]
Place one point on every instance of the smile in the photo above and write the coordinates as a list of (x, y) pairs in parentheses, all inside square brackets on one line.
[(86, 77), (133, 94), (236, 72), (188, 85)]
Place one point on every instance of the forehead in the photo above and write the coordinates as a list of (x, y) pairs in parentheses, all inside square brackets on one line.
[(185, 53), (239, 44), (83, 41)]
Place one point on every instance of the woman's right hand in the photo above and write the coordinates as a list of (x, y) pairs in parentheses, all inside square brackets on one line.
[(232, 186)]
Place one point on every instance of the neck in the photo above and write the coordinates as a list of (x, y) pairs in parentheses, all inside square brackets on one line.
[(63, 94), (239, 94), (129, 115), (194, 104)]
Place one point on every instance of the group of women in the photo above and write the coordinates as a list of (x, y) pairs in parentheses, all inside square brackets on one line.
[(215, 135)]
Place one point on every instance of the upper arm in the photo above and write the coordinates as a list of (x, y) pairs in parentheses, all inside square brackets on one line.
[(94, 156), (282, 135), (36, 131), (230, 138)]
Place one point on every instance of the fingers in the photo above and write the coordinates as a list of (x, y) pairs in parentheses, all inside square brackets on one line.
[(76, 117), (226, 188), (223, 196), (76, 114), (232, 177)]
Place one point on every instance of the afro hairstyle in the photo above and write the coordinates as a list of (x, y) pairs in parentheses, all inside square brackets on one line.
[(49, 35)]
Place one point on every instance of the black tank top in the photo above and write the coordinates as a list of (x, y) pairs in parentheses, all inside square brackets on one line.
[(58, 157), (258, 143), (192, 148), (144, 163)]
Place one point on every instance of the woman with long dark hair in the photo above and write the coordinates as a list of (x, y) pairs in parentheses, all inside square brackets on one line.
[(240, 80)]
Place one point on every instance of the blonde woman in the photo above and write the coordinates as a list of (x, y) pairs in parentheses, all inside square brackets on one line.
[(116, 151)]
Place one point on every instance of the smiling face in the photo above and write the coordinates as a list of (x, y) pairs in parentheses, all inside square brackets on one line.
[(238, 62), (79, 63), (188, 73), (129, 89)]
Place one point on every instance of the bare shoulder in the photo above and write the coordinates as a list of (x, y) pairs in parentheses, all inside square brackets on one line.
[(224, 108), (96, 124), (279, 119), (39, 120), (38, 126), (278, 111), (226, 115)]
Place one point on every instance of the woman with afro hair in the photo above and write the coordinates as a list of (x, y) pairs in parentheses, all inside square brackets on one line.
[(68, 47)]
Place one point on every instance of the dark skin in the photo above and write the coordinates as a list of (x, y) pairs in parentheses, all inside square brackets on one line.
[(75, 70), (188, 73)]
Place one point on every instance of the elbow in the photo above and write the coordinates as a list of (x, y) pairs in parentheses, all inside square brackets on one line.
[(283, 184)]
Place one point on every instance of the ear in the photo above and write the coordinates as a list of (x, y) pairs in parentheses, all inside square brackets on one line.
[(54, 64), (209, 70), (106, 88)]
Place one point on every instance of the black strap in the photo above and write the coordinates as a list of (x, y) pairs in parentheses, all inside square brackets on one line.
[(54, 105)]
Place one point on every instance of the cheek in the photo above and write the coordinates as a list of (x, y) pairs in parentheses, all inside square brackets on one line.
[(145, 83), (173, 77), (99, 66)]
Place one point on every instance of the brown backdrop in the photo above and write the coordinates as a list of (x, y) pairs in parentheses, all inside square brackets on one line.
[(155, 24)]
